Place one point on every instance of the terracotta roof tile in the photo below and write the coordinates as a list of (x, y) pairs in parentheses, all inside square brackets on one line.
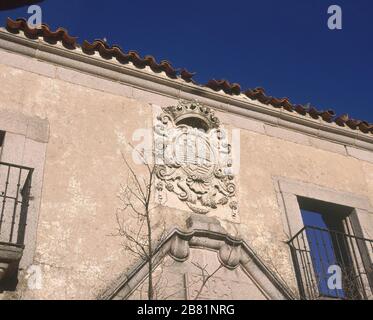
[(186, 75), (110, 52), (226, 86), (300, 109), (12, 4), (44, 31)]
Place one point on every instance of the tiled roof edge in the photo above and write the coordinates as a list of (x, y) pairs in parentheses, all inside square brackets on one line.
[(232, 89)]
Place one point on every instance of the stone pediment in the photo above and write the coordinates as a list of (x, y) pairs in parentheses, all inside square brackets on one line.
[(185, 258)]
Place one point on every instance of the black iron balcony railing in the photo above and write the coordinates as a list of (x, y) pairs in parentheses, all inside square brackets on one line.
[(15, 185), (332, 265)]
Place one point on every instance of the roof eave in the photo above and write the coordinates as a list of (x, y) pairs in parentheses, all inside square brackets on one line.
[(179, 89)]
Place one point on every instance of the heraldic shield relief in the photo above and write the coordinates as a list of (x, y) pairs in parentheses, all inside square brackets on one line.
[(193, 158)]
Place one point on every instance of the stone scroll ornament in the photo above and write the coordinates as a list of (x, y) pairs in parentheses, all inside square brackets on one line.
[(193, 158)]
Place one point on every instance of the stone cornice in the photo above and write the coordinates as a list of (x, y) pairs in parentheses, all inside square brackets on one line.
[(178, 89)]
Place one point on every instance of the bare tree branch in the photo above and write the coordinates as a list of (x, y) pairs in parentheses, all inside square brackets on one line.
[(136, 198)]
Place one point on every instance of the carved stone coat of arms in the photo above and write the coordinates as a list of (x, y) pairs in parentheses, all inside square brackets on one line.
[(193, 158)]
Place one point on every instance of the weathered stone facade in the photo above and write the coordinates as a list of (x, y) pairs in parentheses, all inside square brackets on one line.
[(70, 117)]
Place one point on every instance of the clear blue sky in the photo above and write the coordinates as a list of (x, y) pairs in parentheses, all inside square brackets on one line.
[(283, 46)]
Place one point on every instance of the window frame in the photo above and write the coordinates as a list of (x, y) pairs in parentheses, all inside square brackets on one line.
[(25, 144), (290, 191)]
